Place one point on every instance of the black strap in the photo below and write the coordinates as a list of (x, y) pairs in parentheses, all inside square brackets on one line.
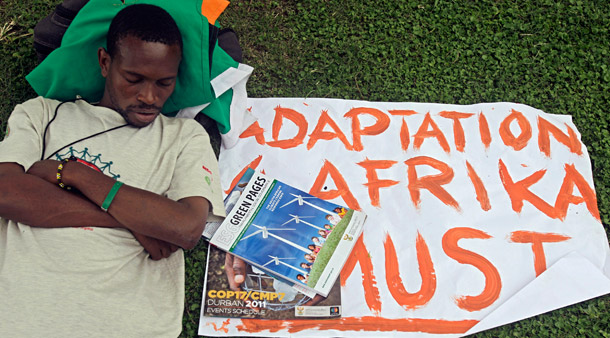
[(44, 136)]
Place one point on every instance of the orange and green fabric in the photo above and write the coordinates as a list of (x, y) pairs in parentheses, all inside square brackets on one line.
[(73, 68)]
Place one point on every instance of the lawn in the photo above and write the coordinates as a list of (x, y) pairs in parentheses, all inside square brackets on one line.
[(552, 55)]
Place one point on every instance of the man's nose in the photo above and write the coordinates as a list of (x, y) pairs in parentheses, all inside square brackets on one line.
[(147, 94)]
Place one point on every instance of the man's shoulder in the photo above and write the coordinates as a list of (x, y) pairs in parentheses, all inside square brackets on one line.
[(35, 107), (185, 126), (40, 101)]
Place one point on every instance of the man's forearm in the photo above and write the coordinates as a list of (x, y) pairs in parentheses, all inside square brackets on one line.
[(180, 223), (31, 200)]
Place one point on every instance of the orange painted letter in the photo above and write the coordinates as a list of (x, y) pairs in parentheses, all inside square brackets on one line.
[(410, 301), (564, 198), (404, 129), (253, 165), (402, 112), (519, 192), (318, 189), (536, 239), (517, 142), (373, 181), (404, 135), (458, 130), (431, 183), (318, 132), (493, 282), (484, 131), (381, 124), (254, 130), (479, 188), (423, 133), (371, 292), (297, 118), (545, 128)]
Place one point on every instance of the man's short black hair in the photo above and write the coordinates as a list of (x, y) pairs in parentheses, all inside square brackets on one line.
[(149, 23)]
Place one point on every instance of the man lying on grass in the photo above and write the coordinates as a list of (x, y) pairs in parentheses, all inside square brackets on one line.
[(90, 192)]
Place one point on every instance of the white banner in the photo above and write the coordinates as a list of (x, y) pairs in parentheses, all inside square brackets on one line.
[(468, 206)]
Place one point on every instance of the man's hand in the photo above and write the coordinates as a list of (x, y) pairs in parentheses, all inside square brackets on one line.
[(36, 200), (235, 269), (46, 169), (315, 300), (156, 248)]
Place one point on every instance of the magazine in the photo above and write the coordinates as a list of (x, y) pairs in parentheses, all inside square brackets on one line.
[(261, 296), (287, 232), (214, 223), (229, 202)]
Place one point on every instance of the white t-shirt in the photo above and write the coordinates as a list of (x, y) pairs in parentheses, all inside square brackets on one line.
[(99, 282)]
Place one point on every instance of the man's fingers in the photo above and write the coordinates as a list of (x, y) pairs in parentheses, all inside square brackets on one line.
[(235, 269), (156, 248), (239, 270), (316, 299), (165, 250), (230, 273), (155, 254)]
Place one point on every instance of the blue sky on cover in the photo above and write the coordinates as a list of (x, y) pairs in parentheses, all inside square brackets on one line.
[(258, 249)]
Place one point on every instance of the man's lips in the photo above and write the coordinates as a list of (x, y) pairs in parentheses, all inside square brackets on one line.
[(146, 112), (144, 109), (146, 116)]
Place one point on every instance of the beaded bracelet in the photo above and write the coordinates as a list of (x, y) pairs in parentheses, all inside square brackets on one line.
[(110, 196), (60, 168)]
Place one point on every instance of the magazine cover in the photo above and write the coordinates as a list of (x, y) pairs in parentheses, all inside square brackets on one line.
[(229, 203), (214, 223), (287, 232), (261, 296)]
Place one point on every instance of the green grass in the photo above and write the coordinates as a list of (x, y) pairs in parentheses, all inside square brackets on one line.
[(552, 55), (328, 249)]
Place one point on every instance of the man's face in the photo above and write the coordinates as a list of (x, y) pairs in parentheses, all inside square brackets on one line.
[(139, 78)]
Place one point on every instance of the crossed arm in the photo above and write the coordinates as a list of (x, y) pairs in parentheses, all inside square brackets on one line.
[(159, 224)]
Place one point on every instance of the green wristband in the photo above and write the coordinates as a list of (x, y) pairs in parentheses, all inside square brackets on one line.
[(110, 196)]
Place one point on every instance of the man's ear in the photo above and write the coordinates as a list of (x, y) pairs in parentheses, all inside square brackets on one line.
[(104, 60)]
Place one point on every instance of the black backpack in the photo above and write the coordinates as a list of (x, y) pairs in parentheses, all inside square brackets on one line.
[(50, 30)]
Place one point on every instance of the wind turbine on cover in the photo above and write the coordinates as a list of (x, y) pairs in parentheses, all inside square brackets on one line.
[(299, 219), (264, 231), (277, 261), (301, 200)]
